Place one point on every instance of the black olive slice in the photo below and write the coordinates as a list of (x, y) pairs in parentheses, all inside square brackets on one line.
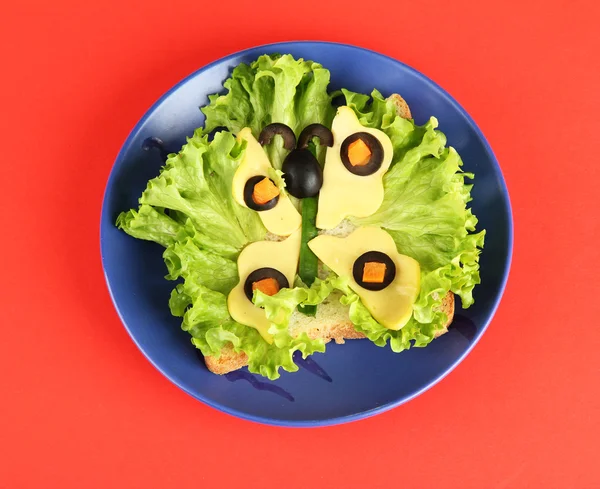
[(270, 131), (249, 190), (374, 146), (302, 174), (315, 130), (377, 257), (261, 274)]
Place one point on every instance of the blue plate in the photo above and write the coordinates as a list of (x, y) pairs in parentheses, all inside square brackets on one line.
[(350, 381)]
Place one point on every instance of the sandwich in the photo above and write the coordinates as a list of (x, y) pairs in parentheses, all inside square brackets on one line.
[(298, 215)]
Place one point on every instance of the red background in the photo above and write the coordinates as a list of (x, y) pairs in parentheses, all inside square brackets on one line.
[(81, 407)]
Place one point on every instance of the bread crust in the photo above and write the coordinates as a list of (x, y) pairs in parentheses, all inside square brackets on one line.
[(402, 108)]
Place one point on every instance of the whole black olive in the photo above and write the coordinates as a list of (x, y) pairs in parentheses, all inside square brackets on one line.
[(302, 174), (377, 257), (270, 131)]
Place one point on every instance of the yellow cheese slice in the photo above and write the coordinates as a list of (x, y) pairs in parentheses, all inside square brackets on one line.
[(343, 193), (280, 255), (391, 306), (283, 219)]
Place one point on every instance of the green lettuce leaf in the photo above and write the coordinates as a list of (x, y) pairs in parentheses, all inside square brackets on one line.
[(425, 211), (201, 300), (425, 207), (196, 184), (185, 259), (206, 318), (190, 211), (150, 224), (272, 89), (414, 333), (279, 307)]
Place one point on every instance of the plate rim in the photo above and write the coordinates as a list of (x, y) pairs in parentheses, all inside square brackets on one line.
[(311, 423)]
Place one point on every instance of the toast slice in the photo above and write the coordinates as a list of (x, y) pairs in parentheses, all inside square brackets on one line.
[(332, 321)]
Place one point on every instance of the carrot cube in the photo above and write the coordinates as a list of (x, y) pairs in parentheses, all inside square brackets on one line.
[(268, 286), (373, 273), (264, 191), (359, 153)]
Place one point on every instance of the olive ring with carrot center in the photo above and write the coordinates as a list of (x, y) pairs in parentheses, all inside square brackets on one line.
[(267, 280), (374, 270), (362, 154), (261, 193)]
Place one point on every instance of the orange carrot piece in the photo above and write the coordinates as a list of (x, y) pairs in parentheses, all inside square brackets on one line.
[(268, 286), (359, 153), (264, 191), (373, 272)]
